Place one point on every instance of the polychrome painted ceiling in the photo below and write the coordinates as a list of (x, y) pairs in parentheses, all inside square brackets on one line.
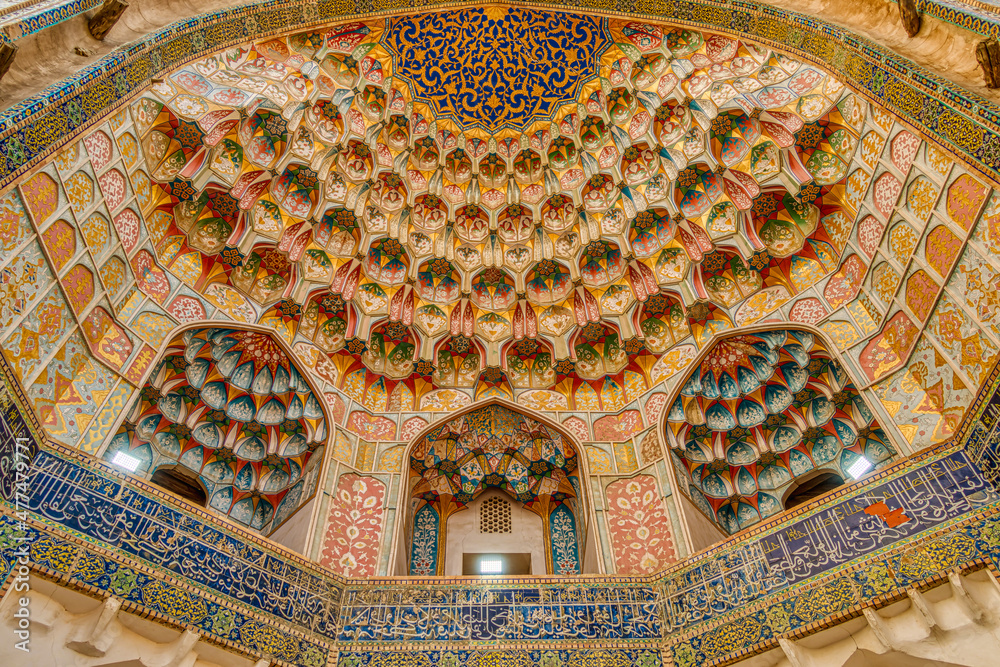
[(421, 212), (494, 68), (759, 411), (571, 234), (574, 239), (493, 447), (232, 408)]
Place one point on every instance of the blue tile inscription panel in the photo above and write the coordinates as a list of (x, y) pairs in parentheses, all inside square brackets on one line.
[(478, 614), (878, 517), (149, 530), (924, 496), (118, 515)]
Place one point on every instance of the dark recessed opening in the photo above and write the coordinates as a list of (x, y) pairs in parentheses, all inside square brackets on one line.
[(184, 485), (813, 488), (489, 565)]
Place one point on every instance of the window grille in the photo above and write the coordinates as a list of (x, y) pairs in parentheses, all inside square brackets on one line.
[(494, 516)]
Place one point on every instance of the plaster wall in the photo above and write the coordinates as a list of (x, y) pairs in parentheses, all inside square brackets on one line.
[(294, 532), (702, 533), (591, 556), (464, 535)]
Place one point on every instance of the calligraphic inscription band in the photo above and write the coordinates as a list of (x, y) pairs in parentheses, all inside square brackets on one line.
[(236, 624), (147, 529), (879, 517), (982, 441), (920, 499), (506, 657), (480, 614)]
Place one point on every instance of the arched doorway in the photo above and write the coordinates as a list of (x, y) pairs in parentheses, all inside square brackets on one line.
[(495, 484)]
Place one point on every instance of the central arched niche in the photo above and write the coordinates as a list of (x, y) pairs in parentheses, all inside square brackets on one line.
[(495, 523), (494, 450), (763, 415)]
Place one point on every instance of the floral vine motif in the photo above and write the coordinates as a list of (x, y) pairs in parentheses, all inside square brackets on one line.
[(565, 555), (423, 556), (462, 74)]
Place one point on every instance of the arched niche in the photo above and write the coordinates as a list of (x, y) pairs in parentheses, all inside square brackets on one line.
[(494, 449), (228, 408), (811, 486), (181, 482), (760, 412)]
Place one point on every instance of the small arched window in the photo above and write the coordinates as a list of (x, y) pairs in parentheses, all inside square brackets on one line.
[(494, 516), (179, 482), (814, 487)]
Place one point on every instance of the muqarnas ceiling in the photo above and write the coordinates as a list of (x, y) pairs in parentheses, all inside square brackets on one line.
[(494, 447), (759, 413), (690, 183), (230, 407)]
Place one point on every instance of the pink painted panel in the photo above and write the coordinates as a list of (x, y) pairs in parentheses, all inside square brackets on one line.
[(615, 428), (641, 539), (371, 427), (354, 527)]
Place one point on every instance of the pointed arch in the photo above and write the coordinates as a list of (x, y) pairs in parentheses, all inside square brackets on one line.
[(574, 494), (233, 407), (777, 406)]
